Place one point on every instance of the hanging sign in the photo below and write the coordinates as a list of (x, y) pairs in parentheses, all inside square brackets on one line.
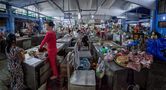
[(67, 15)]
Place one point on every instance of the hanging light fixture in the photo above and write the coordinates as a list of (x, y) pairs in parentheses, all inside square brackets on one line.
[(164, 18), (79, 15), (92, 16)]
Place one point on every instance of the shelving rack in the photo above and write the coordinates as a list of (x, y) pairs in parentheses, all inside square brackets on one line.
[(11, 12)]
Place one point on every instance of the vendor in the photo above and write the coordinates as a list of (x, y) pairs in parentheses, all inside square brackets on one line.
[(80, 36), (15, 57), (50, 39), (69, 34), (155, 35), (97, 31)]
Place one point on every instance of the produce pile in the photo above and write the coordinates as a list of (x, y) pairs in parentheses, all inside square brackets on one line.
[(41, 53), (134, 60)]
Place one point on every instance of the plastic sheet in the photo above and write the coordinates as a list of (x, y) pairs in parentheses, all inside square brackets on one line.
[(155, 47)]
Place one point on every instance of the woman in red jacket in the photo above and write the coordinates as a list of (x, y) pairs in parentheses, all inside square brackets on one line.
[(50, 39)]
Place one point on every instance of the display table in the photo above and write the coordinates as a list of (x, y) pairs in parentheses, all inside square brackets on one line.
[(85, 54), (67, 41), (91, 41), (60, 46), (37, 39), (157, 79), (37, 71), (117, 75), (23, 42)]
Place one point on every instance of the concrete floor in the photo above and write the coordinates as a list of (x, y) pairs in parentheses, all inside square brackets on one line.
[(4, 75)]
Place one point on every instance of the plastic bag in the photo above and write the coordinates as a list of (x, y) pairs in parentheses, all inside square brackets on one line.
[(100, 70), (84, 64), (109, 57)]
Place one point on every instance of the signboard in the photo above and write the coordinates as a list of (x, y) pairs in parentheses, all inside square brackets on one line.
[(2, 7), (161, 6), (162, 24), (97, 20), (67, 15)]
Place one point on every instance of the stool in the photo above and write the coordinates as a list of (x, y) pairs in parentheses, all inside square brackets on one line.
[(85, 54), (83, 80)]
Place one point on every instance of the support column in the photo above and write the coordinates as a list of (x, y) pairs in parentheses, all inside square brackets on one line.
[(124, 25), (40, 24), (153, 21), (10, 25)]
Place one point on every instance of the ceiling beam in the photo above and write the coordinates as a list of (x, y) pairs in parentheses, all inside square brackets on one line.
[(18, 7), (90, 3), (133, 2), (97, 6), (102, 3), (138, 3), (56, 5), (63, 4), (38, 7), (79, 9), (113, 1), (33, 4)]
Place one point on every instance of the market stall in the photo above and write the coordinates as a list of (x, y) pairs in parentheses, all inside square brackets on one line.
[(24, 42), (67, 40), (102, 44), (37, 39), (121, 68), (36, 67), (82, 77)]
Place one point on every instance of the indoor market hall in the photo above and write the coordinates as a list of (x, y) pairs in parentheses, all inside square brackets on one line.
[(82, 44)]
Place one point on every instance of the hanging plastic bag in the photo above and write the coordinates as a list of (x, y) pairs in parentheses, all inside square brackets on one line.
[(100, 71), (109, 57)]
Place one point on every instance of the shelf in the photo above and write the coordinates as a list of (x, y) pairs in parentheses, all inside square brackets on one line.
[(24, 17), (3, 14)]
